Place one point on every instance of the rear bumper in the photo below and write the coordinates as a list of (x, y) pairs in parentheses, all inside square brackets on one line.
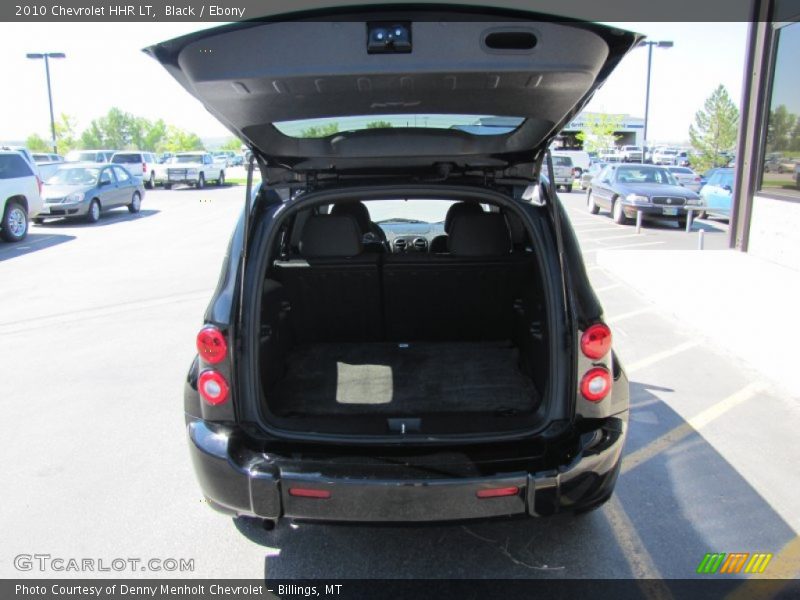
[(239, 481)]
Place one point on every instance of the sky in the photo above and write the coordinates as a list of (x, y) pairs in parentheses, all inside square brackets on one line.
[(105, 67)]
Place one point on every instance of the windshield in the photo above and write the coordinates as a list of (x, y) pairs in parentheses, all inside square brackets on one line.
[(408, 211), (645, 175), (186, 158), (323, 127), (74, 176), (125, 159)]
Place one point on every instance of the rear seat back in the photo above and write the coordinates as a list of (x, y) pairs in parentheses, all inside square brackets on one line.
[(332, 287), (467, 295)]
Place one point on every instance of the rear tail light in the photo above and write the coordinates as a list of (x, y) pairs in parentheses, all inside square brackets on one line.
[(144, 167), (596, 384), (39, 184), (596, 341), (211, 345), (498, 492), (309, 493), (212, 387)]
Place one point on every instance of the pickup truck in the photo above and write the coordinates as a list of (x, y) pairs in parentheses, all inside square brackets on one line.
[(194, 168), (20, 195), (562, 169)]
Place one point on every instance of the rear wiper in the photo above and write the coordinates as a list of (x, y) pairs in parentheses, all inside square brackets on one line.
[(400, 220)]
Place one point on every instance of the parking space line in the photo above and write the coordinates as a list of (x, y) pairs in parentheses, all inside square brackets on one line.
[(623, 246), (641, 563), (605, 288), (611, 237), (596, 229), (659, 356), (628, 315), (700, 420)]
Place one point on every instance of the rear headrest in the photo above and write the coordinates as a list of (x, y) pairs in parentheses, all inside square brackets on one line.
[(480, 235), (460, 208), (357, 210), (327, 235)]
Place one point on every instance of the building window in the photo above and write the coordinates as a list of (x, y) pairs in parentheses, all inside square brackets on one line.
[(781, 164)]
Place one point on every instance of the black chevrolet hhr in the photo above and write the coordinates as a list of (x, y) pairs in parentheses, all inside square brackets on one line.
[(403, 329)]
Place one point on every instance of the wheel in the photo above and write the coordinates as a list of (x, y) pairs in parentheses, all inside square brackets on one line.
[(167, 186), (151, 183), (15, 222), (201, 182), (221, 178), (617, 213), (591, 205), (93, 216), (568, 188), (136, 203), (682, 222)]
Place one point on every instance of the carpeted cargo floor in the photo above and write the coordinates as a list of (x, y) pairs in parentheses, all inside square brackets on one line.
[(395, 379)]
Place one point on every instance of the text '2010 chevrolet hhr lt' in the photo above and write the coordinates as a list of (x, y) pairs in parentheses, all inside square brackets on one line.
[(403, 329)]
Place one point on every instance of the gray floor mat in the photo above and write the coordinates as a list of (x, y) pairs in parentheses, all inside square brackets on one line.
[(389, 378)]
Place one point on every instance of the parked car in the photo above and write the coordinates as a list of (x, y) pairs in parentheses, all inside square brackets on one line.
[(194, 168), (580, 160), (20, 197), (87, 190), (687, 178), (778, 163), (717, 194), (631, 154), (649, 189), (141, 164), (41, 157), (797, 174), (339, 384), (683, 158), (563, 170), (89, 156), (665, 156), (586, 178), (237, 160)]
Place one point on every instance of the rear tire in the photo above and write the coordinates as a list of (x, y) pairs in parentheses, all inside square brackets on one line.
[(136, 203), (152, 182), (93, 216), (221, 179), (201, 182), (682, 222), (167, 186), (15, 222), (591, 205), (568, 189)]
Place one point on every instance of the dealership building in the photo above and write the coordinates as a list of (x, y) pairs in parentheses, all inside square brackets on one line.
[(766, 195)]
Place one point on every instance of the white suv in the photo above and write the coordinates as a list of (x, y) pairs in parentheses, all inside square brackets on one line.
[(141, 164), (20, 195)]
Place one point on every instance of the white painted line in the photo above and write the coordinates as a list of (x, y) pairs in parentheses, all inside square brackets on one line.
[(623, 246), (611, 237), (628, 315), (659, 356), (608, 228), (605, 288)]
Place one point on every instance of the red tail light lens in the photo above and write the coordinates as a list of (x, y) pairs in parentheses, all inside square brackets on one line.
[(212, 387), (498, 492), (309, 493), (596, 384), (211, 345), (596, 341), (144, 167)]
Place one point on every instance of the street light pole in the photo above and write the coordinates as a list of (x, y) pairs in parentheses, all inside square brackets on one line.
[(663, 44), (47, 56)]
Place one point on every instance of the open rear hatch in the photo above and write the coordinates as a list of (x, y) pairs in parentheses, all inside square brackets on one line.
[(258, 78)]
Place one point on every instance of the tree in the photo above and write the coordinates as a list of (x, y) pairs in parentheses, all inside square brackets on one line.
[(599, 131), (714, 130), (36, 143), (178, 140), (795, 144), (232, 145), (65, 133), (779, 129), (378, 125), (319, 131)]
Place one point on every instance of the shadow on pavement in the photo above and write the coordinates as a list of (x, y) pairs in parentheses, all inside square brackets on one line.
[(118, 215), (32, 243), (683, 502)]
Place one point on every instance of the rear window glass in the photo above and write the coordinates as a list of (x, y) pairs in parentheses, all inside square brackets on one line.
[(186, 158), (644, 175), (474, 124), (74, 176), (562, 161), (683, 170), (124, 159), (13, 166), (82, 156)]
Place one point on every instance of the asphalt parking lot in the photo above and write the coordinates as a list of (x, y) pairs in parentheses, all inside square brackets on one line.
[(98, 324)]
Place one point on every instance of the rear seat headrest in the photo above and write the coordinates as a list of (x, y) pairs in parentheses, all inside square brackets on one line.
[(460, 208), (330, 236), (486, 234), (357, 210)]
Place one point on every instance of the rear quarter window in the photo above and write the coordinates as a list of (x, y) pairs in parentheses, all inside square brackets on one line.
[(13, 166)]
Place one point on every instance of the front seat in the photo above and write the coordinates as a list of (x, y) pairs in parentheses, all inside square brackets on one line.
[(373, 236), (439, 243)]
